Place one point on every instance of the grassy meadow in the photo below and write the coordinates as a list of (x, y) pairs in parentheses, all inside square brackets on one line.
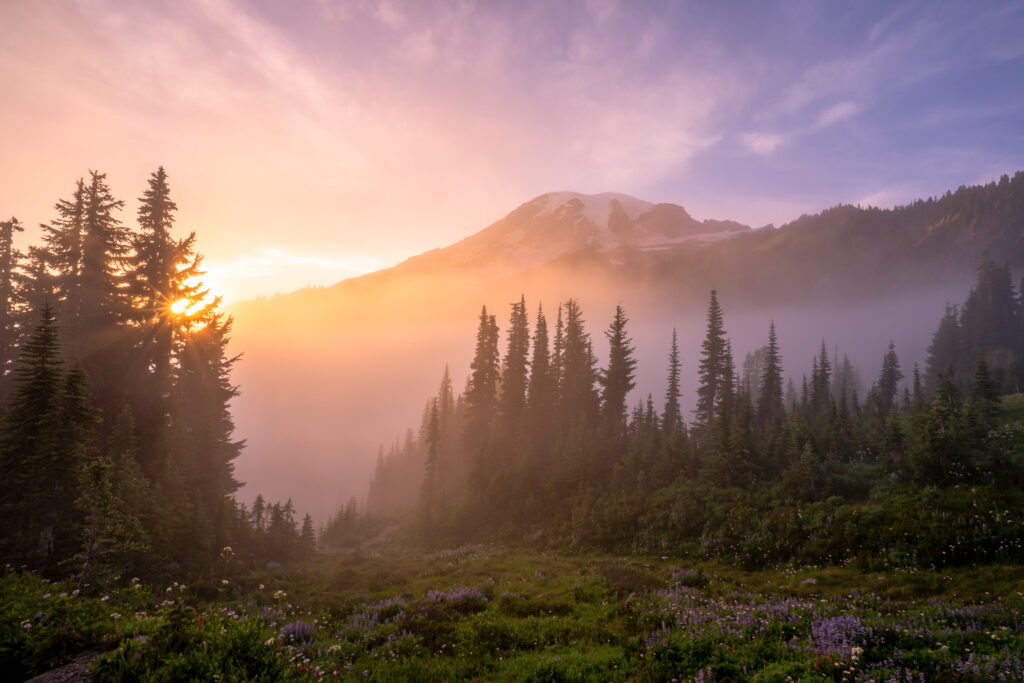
[(500, 614)]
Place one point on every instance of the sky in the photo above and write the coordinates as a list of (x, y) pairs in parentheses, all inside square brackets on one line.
[(307, 142)]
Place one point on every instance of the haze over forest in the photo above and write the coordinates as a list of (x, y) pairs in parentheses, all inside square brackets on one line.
[(363, 355), (387, 130), (512, 340)]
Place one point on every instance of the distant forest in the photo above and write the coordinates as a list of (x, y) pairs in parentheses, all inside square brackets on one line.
[(116, 439), (918, 470)]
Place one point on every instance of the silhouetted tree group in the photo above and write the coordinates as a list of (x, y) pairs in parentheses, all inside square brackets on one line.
[(117, 440), (545, 440)]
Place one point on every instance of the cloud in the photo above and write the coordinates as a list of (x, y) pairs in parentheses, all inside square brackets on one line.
[(762, 143), (835, 114)]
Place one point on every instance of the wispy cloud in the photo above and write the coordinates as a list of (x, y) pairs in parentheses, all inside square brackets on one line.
[(762, 143), (386, 128), (835, 114)]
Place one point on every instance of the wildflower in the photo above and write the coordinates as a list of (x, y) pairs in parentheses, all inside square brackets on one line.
[(279, 595), (74, 592), (261, 586), (104, 598), (46, 596), (115, 615), (169, 589), (270, 641), (224, 582)]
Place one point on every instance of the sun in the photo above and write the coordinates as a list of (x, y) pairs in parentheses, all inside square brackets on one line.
[(180, 306)]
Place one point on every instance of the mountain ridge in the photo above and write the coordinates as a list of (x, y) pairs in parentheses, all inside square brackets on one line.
[(945, 234)]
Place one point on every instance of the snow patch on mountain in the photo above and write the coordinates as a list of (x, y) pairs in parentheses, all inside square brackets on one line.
[(559, 224), (595, 208)]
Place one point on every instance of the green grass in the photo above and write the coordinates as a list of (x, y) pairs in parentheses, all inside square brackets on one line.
[(505, 614)]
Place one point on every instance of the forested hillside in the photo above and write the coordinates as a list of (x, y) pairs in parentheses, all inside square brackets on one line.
[(859, 276), (542, 444)]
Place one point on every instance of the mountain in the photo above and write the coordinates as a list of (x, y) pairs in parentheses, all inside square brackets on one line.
[(328, 374), (559, 224)]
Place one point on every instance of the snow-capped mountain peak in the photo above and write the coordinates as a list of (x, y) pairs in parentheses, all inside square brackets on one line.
[(559, 224)]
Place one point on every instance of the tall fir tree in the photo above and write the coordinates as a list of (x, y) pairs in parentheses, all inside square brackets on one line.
[(47, 430), (672, 419), (711, 372), (10, 259), (482, 390), (105, 299), (888, 381), (945, 351), (430, 495), (619, 378), (168, 299), (989, 324), (515, 371), (63, 238), (770, 408), (540, 398), (578, 400), (201, 437), (821, 386)]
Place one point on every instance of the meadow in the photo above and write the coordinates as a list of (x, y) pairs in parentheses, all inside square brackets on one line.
[(507, 614)]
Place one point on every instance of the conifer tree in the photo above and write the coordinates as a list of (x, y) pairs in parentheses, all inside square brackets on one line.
[(105, 300), (844, 380), (481, 394), (770, 408), (201, 435), (557, 356), (753, 369), (945, 351), (983, 398), (730, 380), (578, 401), (46, 432), (989, 322), (673, 419), (618, 379), (942, 454), (10, 258), (821, 389), (888, 381), (540, 397), (515, 369), (307, 536), (23, 439), (114, 503), (430, 494), (63, 238), (712, 370), (168, 301)]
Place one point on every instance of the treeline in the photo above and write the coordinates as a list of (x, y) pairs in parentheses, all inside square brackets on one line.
[(542, 441), (116, 438)]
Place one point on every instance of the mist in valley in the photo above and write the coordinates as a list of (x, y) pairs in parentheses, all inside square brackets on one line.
[(327, 380)]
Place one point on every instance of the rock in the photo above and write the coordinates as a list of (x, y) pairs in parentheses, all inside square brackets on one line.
[(77, 671)]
